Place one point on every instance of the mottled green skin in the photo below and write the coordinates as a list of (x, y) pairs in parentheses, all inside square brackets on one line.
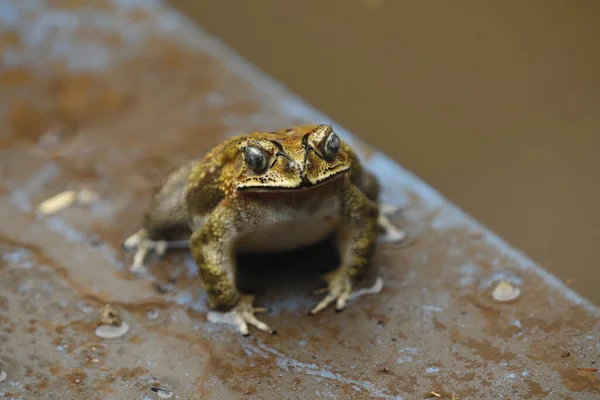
[(219, 199)]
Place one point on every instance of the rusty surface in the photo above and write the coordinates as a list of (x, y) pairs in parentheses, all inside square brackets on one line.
[(110, 95)]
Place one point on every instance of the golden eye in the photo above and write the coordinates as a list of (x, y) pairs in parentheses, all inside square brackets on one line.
[(332, 146), (255, 158)]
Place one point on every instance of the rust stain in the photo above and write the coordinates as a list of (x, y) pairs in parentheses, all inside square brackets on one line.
[(8, 40), (579, 381), (130, 373), (137, 15), (55, 369), (77, 376), (16, 76)]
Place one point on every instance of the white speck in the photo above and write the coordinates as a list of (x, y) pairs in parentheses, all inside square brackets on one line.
[(516, 323), (57, 202), (152, 314), (404, 359), (164, 393), (409, 350), (86, 308), (429, 308), (511, 376), (524, 374), (407, 358), (2, 376), (302, 342), (111, 332), (505, 291), (432, 370)]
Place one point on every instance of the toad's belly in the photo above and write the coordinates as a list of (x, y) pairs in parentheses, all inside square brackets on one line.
[(286, 235)]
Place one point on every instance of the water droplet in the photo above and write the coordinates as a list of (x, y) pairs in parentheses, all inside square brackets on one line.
[(505, 291), (162, 393), (152, 314), (110, 331)]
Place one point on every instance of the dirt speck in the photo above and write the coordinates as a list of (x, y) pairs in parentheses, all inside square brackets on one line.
[(77, 376)]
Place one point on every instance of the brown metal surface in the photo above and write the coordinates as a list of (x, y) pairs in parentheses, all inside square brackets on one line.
[(111, 95)]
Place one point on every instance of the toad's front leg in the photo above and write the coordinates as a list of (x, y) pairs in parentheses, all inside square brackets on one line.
[(213, 249), (357, 239)]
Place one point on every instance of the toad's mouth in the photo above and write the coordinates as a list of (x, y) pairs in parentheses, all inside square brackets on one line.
[(303, 185)]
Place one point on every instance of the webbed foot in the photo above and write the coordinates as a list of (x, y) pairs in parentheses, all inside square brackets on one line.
[(241, 316), (391, 233), (339, 289), (140, 242)]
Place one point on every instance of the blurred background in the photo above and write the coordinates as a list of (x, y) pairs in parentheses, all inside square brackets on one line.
[(495, 104)]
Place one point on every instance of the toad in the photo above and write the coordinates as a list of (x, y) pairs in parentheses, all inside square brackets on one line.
[(263, 192)]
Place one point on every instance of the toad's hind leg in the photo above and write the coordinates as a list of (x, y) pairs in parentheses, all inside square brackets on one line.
[(391, 233), (142, 245), (166, 223), (368, 184)]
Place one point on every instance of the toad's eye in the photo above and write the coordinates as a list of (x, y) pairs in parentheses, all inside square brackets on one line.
[(332, 146), (255, 158)]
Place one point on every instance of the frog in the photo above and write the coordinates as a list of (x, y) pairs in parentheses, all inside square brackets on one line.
[(269, 192)]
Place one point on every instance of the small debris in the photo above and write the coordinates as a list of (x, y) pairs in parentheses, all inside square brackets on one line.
[(435, 394), (164, 288), (110, 325), (109, 316), (2, 376), (66, 199), (505, 291), (589, 369), (152, 314), (57, 202), (162, 393), (111, 332), (86, 196), (565, 354)]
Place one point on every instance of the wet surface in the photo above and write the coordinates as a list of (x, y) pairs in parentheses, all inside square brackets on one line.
[(111, 96)]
